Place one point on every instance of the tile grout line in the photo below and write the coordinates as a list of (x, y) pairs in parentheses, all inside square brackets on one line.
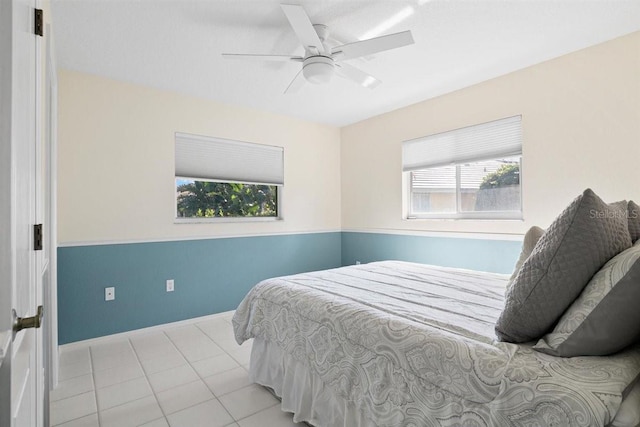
[(191, 366), (95, 398), (95, 387), (164, 332), (225, 352), (79, 394), (93, 379), (153, 393), (120, 382), (81, 416), (200, 377)]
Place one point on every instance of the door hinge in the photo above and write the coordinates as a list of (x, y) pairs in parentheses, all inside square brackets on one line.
[(38, 27), (37, 237)]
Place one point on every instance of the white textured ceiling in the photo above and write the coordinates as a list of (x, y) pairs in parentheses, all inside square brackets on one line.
[(177, 44)]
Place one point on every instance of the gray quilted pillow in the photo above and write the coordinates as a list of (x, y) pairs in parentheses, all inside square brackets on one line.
[(586, 235), (634, 220), (605, 317)]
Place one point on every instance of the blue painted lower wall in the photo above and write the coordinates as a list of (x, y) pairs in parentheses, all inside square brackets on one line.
[(213, 275), (497, 256)]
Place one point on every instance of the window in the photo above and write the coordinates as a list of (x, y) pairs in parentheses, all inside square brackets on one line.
[(219, 178), (473, 172)]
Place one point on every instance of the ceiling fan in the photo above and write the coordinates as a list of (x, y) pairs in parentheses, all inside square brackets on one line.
[(320, 61)]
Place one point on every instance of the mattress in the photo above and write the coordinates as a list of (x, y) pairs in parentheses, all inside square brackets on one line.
[(402, 344)]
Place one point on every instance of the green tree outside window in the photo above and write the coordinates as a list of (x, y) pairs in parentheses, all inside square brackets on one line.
[(206, 199)]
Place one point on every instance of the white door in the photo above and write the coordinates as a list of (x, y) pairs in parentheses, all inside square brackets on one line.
[(6, 247), (20, 276)]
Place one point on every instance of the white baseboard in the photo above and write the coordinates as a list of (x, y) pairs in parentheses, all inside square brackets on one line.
[(126, 335)]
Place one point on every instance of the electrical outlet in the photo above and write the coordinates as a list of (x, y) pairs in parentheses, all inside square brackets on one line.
[(357, 262), (170, 285), (109, 294)]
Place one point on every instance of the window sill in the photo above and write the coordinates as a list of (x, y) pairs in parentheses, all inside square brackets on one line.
[(455, 217), (220, 220)]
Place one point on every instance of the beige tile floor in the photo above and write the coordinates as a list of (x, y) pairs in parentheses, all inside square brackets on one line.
[(188, 376)]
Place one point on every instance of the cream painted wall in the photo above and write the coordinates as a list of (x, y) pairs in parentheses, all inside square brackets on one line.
[(581, 122), (116, 162), (581, 125)]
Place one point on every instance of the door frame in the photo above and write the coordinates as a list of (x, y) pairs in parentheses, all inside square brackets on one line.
[(7, 246), (50, 128)]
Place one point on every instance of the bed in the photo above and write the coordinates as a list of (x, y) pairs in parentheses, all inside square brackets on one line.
[(402, 344)]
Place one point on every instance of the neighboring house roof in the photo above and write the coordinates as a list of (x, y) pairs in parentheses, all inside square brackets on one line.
[(444, 178)]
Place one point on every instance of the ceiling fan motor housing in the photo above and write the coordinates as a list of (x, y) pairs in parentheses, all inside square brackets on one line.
[(318, 69)]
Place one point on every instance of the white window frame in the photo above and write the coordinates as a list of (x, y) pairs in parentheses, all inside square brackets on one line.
[(480, 215), (273, 175), (494, 140), (223, 219)]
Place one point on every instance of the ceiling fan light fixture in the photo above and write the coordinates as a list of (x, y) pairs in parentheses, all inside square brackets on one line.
[(318, 69)]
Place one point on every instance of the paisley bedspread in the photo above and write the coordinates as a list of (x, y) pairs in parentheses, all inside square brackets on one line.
[(413, 345)]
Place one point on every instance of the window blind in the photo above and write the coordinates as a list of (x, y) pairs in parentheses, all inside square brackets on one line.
[(207, 158), (473, 143)]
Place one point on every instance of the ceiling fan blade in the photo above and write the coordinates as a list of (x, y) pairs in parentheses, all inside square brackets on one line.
[(295, 85), (356, 75), (371, 46), (251, 56), (302, 26)]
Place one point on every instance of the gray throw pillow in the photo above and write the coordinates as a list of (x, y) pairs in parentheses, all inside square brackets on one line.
[(586, 235), (531, 237), (605, 317), (634, 220)]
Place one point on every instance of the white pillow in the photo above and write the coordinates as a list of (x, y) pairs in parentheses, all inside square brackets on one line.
[(531, 237), (629, 413)]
